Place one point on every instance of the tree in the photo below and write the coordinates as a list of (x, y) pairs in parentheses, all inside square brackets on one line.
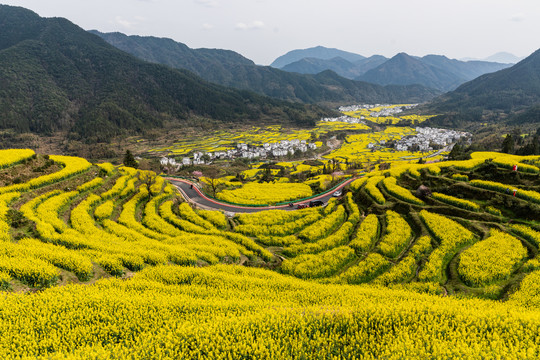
[(508, 144), (211, 178), (333, 165), (206, 158), (129, 160), (148, 178), (458, 153), (384, 166), (267, 175)]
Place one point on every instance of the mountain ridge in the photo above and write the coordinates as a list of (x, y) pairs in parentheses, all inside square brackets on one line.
[(319, 52), (56, 76), (495, 95), (267, 80), (347, 69), (435, 71)]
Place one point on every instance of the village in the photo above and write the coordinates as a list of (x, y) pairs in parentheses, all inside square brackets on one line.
[(428, 139), (387, 110), (244, 151), (345, 119)]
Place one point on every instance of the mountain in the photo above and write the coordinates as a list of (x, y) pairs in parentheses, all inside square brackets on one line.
[(463, 70), (504, 57), (240, 73), (55, 76), (175, 54), (403, 69), (310, 65), (340, 66), (510, 90), (318, 52), (363, 66), (500, 57), (433, 71)]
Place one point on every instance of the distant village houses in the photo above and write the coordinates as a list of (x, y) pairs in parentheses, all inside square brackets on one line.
[(386, 111), (345, 119), (427, 139), (244, 151)]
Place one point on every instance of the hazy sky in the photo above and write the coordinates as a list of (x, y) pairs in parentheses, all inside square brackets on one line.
[(265, 29)]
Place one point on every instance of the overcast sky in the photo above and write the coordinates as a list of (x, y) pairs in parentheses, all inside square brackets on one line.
[(265, 29)]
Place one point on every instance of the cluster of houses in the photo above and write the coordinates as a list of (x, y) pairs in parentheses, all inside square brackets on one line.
[(359, 107), (245, 151), (427, 137), (345, 119), (386, 110)]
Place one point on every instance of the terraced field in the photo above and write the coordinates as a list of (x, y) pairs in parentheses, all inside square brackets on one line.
[(257, 136), (147, 274)]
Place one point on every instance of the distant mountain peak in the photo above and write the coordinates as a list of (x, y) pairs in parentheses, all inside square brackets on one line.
[(504, 57), (319, 52), (434, 71)]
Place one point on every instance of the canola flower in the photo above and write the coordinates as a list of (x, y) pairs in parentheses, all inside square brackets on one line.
[(216, 218), (72, 166), (451, 200), (401, 193), (265, 193), (451, 236), (397, 237), (460, 177), (162, 310), (367, 234), (529, 195), (104, 210), (230, 311), (5, 199), (366, 270), (406, 268), (324, 226), (492, 259), (527, 233), (323, 264), (493, 211), (509, 161), (373, 191), (12, 157)]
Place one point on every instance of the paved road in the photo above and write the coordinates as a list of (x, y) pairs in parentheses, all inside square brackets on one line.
[(194, 195), (446, 148)]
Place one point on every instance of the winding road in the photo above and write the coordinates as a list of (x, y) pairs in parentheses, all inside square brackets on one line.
[(193, 194)]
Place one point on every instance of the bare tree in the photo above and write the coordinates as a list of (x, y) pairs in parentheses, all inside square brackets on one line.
[(211, 178)]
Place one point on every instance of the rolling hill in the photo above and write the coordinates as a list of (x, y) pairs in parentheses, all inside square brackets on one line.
[(57, 77)]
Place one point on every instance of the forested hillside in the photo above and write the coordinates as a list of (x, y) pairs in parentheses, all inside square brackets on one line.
[(231, 69), (57, 77), (493, 97)]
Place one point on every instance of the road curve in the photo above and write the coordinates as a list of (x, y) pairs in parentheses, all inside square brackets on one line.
[(193, 194)]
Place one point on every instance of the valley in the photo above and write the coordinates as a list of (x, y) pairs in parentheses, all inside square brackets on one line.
[(166, 201)]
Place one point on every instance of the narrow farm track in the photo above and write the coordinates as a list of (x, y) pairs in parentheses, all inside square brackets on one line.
[(193, 194)]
